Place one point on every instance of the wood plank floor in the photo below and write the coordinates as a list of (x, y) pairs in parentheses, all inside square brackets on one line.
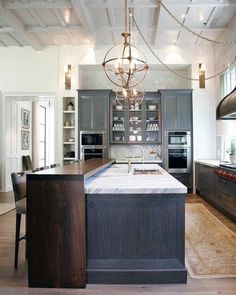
[(15, 282)]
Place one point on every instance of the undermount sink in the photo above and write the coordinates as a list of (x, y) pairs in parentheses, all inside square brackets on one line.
[(146, 171)]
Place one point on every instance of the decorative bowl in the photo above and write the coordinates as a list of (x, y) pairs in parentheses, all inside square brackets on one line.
[(152, 107)]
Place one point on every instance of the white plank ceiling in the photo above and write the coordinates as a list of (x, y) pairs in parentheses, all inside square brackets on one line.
[(40, 23)]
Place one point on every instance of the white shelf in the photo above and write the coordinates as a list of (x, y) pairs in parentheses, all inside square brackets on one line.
[(69, 112), (68, 142), (69, 159), (69, 127)]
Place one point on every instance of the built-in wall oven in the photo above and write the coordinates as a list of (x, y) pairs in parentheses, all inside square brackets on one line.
[(92, 144), (178, 151)]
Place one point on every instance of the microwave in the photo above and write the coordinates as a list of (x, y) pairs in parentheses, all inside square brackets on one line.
[(92, 138), (178, 138)]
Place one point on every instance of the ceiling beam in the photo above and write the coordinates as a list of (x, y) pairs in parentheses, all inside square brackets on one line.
[(177, 27), (36, 5), (6, 30), (84, 18), (38, 29), (200, 3), (156, 23), (59, 17), (155, 3), (10, 19), (112, 22), (36, 17)]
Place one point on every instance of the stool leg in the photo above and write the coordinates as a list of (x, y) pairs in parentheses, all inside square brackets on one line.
[(17, 238)]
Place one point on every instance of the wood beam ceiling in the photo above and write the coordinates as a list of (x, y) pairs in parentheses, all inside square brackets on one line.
[(10, 19)]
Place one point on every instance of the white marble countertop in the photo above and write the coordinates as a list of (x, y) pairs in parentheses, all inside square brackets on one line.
[(117, 180), (212, 163), (138, 161)]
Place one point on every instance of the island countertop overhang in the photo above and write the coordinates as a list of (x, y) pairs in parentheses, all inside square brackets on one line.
[(115, 179)]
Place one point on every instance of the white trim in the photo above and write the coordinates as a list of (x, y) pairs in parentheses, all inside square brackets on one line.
[(24, 95)]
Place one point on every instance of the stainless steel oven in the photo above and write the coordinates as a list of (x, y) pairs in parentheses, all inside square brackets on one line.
[(90, 153), (177, 149), (178, 160), (92, 144)]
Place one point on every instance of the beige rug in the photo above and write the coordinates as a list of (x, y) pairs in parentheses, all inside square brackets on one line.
[(210, 246), (6, 207)]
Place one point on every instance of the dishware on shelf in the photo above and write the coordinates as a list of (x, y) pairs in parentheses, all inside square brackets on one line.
[(139, 137), (119, 108), (71, 139), (151, 118), (132, 138), (152, 107), (117, 138), (115, 118)]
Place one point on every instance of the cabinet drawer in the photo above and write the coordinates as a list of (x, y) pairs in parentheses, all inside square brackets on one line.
[(226, 195)]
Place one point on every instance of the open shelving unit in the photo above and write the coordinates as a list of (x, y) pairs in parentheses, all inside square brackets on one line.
[(70, 129)]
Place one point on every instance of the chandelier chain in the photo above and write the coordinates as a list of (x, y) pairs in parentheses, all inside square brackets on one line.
[(166, 66), (126, 20), (192, 32)]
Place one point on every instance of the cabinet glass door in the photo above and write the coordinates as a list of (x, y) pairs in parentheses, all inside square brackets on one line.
[(152, 121)]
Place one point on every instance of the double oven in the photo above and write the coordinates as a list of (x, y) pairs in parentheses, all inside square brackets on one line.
[(178, 151), (92, 144)]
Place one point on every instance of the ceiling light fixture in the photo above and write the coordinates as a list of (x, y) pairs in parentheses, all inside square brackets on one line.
[(126, 66)]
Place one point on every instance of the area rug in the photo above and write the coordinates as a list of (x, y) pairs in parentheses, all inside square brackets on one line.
[(210, 247), (6, 207)]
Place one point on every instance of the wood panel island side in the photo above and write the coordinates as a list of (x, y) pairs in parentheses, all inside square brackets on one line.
[(93, 222)]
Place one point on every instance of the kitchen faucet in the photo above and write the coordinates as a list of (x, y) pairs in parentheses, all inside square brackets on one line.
[(129, 158)]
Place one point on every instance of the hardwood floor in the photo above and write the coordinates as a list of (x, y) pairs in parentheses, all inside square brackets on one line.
[(15, 282)]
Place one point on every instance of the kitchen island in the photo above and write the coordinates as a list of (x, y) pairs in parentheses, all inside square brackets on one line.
[(135, 226), (134, 229)]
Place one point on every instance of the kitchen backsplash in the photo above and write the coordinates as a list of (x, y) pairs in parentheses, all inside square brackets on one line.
[(121, 152)]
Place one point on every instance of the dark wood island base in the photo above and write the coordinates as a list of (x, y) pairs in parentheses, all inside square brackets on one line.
[(135, 239)]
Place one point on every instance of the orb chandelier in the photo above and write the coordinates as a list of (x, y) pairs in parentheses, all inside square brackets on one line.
[(130, 97), (124, 64)]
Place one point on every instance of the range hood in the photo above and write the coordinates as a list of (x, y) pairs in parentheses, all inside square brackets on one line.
[(226, 109)]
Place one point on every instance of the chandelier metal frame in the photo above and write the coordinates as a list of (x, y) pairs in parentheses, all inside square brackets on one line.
[(122, 70)]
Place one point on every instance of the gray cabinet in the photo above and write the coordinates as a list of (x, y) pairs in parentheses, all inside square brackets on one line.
[(177, 109), (139, 125), (205, 184), (225, 194), (218, 190), (93, 109)]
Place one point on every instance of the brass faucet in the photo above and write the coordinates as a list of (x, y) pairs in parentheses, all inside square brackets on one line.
[(129, 158)]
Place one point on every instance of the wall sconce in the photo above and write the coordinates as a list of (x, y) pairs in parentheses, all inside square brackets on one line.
[(201, 70), (67, 69)]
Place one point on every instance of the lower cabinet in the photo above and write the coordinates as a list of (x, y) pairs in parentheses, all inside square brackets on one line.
[(205, 181), (218, 190), (225, 194), (184, 178)]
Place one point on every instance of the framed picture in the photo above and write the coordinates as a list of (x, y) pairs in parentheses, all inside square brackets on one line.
[(25, 118), (25, 139)]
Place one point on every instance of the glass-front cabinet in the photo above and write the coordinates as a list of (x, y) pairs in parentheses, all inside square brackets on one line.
[(141, 124)]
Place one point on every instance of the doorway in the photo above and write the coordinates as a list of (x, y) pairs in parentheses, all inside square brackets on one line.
[(28, 128)]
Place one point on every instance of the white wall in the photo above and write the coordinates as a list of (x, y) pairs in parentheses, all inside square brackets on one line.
[(27, 70), (23, 70)]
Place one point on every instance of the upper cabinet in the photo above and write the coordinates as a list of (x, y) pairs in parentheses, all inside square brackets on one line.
[(177, 109), (93, 109), (141, 124)]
